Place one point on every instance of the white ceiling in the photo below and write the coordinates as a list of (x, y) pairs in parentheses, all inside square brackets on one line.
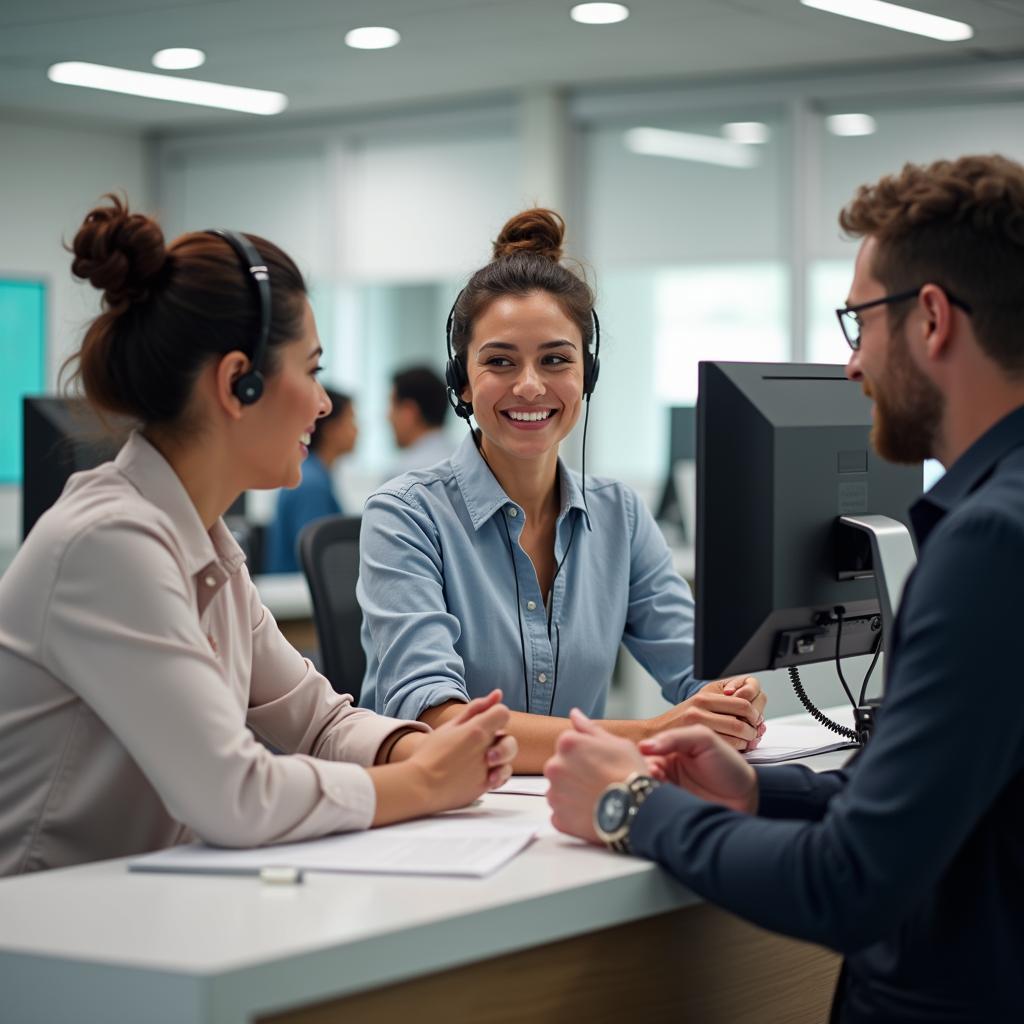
[(450, 49)]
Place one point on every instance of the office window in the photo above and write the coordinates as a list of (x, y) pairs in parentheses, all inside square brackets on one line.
[(22, 357), (827, 287)]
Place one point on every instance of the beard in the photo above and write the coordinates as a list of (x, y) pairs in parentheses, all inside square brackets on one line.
[(908, 408)]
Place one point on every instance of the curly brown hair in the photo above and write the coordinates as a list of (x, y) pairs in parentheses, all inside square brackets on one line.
[(958, 224)]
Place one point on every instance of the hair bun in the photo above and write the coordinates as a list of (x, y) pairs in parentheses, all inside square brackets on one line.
[(536, 231), (119, 252)]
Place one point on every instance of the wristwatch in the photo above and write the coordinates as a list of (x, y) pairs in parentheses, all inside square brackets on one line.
[(616, 808)]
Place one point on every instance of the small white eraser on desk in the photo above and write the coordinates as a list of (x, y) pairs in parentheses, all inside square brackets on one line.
[(280, 876)]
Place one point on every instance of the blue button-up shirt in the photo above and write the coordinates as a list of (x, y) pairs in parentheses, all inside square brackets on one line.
[(314, 498), (439, 580)]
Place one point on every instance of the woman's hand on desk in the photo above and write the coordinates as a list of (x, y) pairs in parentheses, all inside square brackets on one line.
[(733, 708), (449, 767), (701, 761)]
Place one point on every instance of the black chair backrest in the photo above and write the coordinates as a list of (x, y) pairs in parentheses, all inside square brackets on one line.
[(329, 553)]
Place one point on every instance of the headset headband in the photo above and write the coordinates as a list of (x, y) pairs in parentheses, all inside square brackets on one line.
[(249, 386)]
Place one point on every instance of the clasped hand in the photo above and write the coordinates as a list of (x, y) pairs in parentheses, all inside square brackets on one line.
[(588, 759), (733, 708)]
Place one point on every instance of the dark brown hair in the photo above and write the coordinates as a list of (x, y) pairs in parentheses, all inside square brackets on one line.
[(527, 258), (958, 224), (168, 310), (421, 385), (340, 403)]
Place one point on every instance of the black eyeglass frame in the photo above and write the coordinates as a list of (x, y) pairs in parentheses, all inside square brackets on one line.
[(843, 314)]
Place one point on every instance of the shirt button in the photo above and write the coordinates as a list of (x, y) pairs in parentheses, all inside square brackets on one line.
[(531, 606), (513, 512), (542, 678), (210, 581)]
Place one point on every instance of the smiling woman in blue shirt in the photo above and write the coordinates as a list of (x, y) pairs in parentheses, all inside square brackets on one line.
[(500, 566)]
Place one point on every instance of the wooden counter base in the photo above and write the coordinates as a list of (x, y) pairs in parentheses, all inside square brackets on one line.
[(697, 964)]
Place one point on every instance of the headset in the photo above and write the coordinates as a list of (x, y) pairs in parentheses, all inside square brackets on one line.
[(457, 379), (249, 387)]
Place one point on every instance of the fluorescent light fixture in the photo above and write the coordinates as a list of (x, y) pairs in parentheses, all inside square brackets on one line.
[(599, 14), (851, 124), (749, 133), (903, 19), (372, 37), (167, 87), (179, 58), (706, 149)]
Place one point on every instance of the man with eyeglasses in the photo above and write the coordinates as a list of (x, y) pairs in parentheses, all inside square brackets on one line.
[(910, 861)]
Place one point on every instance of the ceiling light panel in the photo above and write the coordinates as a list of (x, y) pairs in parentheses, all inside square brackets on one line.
[(167, 87), (705, 149), (599, 14), (851, 124), (749, 133), (903, 19), (179, 58), (372, 37)]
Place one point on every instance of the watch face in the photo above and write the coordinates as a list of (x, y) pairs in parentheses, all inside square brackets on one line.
[(611, 811)]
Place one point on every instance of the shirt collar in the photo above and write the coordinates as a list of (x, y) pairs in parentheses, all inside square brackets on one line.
[(484, 496), (968, 473), (154, 478)]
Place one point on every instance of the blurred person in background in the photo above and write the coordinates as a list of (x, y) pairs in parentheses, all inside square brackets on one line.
[(315, 497), (419, 404)]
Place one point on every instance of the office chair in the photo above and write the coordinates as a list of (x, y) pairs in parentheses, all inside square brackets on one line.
[(329, 555)]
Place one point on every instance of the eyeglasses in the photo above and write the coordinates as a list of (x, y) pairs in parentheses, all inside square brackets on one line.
[(849, 316)]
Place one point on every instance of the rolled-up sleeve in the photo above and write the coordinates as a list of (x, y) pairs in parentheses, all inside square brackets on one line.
[(659, 619), (411, 633), (122, 631)]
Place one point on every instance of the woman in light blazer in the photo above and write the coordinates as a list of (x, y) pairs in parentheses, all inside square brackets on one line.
[(137, 663)]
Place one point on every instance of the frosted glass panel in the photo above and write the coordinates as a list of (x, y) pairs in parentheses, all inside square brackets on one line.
[(827, 288), (735, 312)]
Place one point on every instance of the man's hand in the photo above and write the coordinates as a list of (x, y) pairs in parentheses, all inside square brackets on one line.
[(733, 708), (696, 759), (587, 760)]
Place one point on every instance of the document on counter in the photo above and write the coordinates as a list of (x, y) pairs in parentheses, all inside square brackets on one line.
[(468, 846), (525, 785), (787, 741)]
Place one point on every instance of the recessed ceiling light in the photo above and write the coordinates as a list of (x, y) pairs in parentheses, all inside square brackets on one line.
[(178, 58), (167, 87), (851, 124), (750, 133), (372, 37), (599, 14), (707, 149), (903, 19)]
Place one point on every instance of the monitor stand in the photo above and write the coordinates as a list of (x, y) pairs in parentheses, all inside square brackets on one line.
[(893, 557)]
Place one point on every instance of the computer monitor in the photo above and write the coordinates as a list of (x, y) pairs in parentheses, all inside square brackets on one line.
[(60, 436), (676, 504), (782, 452)]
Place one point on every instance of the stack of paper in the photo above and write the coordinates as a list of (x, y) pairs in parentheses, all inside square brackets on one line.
[(786, 741), (448, 845)]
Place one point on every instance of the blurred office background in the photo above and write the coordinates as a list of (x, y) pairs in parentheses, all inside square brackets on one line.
[(699, 150)]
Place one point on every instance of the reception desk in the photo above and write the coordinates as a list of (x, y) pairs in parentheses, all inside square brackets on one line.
[(563, 932)]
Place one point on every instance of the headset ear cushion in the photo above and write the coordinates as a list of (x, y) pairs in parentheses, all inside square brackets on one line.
[(593, 371), (249, 387), (455, 377)]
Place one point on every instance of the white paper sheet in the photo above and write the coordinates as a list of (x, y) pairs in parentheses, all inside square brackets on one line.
[(525, 785), (786, 741), (468, 846)]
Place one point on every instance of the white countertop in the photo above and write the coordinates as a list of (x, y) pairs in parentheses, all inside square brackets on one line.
[(175, 947), (96, 942)]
